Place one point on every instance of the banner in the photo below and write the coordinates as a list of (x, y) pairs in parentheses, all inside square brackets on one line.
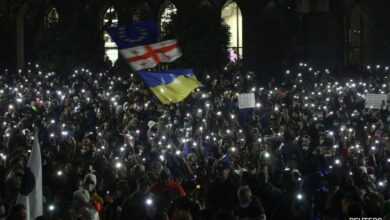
[(376, 101), (246, 100)]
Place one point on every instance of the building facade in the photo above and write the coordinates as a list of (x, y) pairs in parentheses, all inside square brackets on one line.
[(267, 34)]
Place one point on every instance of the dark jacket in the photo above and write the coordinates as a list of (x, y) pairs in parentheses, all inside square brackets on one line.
[(222, 195), (269, 193), (134, 207), (254, 210)]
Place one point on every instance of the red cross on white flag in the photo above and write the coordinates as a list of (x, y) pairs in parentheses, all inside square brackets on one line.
[(149, 56)]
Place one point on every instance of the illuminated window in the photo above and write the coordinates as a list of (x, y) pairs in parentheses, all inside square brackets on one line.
[(51, 17), (167, 13), (110, 18), (231, 15), (353, 39)]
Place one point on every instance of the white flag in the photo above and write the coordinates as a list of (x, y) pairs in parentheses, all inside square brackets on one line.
[(149, 56), (30, 194)]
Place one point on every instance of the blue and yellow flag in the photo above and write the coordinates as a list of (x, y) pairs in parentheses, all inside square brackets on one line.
[(171, 86)]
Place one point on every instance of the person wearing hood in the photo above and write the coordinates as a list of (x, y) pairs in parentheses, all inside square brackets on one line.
[(84, 208), (90, 183)]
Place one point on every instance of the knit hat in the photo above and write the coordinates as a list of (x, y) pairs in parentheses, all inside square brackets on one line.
[(82, 195), (151, 124), (91, 177)]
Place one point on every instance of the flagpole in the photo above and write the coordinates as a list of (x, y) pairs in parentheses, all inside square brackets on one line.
[(238, 31)]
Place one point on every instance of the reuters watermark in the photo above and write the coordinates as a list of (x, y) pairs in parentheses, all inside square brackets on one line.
[(365, 218)]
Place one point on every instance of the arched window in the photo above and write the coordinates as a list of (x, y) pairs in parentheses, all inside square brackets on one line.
[(231, 15), (51, 17), (167, 12), (110, 18), (353, 38)]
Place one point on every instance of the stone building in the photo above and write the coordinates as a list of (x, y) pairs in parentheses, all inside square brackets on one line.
[(267, 34)]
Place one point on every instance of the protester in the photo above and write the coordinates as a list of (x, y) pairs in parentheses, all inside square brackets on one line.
[(17, 212), (83, 206), (222, 193), (90, 185), (166, 188), (310, 148), (250, 207), (141, 204)]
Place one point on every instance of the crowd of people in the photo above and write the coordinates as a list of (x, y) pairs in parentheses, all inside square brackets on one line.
[(310, 149)]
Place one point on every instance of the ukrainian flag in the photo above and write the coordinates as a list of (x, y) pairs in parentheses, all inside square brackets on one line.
[(171, 86)]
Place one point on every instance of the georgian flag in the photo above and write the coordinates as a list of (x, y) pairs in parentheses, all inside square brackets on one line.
[(138, 44), (30, 194), (149, 56)]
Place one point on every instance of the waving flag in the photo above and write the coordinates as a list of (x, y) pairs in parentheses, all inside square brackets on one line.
[(149, 56), (30, 194), (170, 86), (137, 43), (134, 34)]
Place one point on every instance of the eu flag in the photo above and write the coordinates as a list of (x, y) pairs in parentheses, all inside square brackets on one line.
[(134, 34), (171, 86)]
